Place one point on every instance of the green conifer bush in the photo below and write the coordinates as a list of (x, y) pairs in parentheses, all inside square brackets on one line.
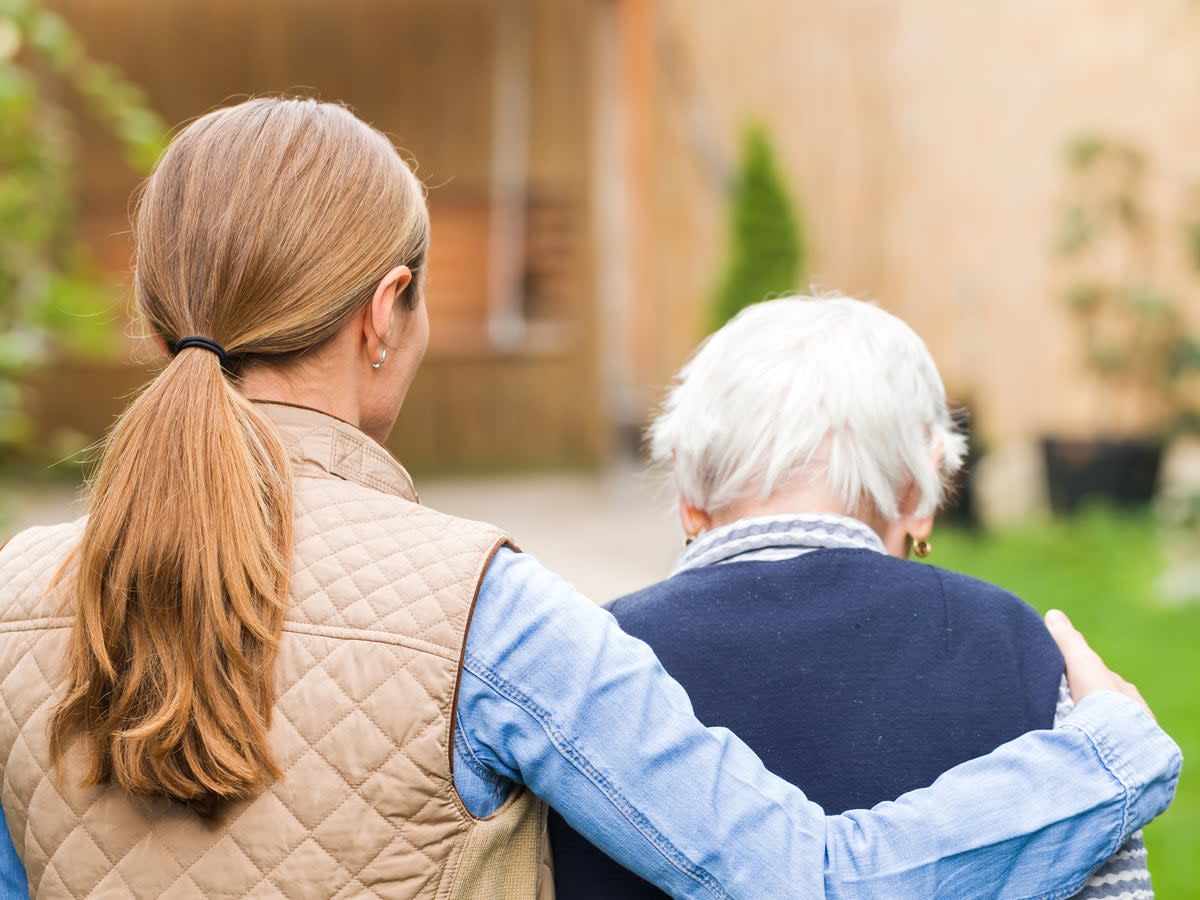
[(767, 248)]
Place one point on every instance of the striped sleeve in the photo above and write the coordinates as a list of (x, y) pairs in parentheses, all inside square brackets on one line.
[(1126, 875)]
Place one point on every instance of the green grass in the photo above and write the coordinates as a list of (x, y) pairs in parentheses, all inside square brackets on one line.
[(1101, 569)]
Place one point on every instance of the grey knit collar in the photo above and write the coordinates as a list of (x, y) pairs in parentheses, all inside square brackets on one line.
[(768, 538)]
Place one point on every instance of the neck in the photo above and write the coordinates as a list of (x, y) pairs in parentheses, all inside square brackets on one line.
[(800, 500), (314, 386), (811, 499)]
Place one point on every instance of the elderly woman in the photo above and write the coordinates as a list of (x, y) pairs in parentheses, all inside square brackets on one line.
[(810, 444)]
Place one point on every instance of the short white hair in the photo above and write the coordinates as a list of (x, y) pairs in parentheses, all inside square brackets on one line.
[(806, 388)]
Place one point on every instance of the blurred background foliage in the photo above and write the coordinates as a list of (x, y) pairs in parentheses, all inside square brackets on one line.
[(1135, 335), (52, 299)]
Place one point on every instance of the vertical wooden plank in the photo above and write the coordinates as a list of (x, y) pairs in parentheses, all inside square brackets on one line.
[(636, 28), (510, 194)]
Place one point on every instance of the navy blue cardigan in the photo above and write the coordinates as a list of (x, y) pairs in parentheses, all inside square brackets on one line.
[(854, 675)]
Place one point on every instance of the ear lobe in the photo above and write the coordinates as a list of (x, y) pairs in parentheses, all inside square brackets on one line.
[(693, 520), (919, 529)]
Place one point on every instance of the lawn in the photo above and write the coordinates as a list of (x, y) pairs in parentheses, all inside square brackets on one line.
[(1101, 569)]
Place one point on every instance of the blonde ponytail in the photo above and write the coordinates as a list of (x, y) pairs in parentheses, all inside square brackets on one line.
[(181, 588), (245, 239)]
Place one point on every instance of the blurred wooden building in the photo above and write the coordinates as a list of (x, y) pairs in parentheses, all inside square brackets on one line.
[(579, 154), (507, 108)]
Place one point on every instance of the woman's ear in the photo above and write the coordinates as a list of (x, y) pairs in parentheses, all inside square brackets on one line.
[(378, 316)]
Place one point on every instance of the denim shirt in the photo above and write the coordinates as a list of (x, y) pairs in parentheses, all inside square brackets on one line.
[(554, 696)]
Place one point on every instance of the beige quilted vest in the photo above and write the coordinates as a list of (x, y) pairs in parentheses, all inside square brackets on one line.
[(382, 590)]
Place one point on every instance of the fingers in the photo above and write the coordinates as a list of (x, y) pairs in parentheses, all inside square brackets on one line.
[(1061, 629), (1086, 671)]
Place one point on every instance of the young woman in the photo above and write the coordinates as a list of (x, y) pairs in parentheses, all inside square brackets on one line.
[(259, 666), (810, 444)]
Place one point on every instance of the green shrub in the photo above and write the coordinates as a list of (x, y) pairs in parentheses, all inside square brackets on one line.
[(767, 247)]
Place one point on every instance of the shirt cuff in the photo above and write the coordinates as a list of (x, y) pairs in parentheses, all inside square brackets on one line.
[(1134, 749)]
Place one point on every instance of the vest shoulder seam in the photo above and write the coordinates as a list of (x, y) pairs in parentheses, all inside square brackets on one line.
[(47, 623), (371, 636)]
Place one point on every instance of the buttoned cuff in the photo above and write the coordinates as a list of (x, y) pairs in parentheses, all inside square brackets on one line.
[(1134, 749)]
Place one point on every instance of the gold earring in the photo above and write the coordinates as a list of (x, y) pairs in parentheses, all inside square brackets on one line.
[(382, 360), (922, 548)]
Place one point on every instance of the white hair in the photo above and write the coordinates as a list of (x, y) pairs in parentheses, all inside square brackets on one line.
[(808, 388)]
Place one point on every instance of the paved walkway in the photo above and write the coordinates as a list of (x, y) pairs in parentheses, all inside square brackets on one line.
[(607, 534)]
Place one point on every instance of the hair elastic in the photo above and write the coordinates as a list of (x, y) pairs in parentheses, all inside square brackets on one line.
[(204, 344)]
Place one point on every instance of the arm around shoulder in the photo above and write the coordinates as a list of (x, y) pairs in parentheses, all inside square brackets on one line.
[(1031, 819), (556, 697)]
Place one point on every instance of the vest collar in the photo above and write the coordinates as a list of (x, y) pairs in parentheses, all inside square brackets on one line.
[(319, 444)]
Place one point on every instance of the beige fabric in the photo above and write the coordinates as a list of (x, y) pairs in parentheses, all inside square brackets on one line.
[(382, 590)]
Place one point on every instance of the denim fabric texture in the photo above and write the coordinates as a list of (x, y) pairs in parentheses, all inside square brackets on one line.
[(12, 873)]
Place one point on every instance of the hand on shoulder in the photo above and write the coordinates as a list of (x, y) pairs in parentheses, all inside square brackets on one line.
[(1086, 671)]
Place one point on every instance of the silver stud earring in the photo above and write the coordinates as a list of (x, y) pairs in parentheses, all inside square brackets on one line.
[(382, 360)]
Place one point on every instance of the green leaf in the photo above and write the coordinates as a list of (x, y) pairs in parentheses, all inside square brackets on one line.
[(17, 10), (1148, 303), (51, 34), (1083, 150), (1186, 357), (1076, 230), (1109, 358), (21, 349)]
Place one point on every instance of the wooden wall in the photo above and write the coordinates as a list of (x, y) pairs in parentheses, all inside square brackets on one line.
[(421, 71), (925, 140)]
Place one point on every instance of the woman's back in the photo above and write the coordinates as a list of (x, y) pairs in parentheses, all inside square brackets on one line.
[(366, 673)]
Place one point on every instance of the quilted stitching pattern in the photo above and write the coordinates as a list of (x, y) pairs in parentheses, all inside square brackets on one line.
[(382, 590)]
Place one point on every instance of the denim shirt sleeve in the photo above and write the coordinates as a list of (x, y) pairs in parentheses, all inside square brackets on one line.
[(556, 697), (12, 873)]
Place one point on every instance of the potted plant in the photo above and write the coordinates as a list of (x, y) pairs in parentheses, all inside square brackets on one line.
[(1134, 339)]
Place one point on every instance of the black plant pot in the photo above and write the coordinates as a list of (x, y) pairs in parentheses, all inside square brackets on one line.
[(1122, 472), (962, 509)]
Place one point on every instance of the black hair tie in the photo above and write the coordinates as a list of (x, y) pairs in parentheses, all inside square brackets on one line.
[(204, 344)]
